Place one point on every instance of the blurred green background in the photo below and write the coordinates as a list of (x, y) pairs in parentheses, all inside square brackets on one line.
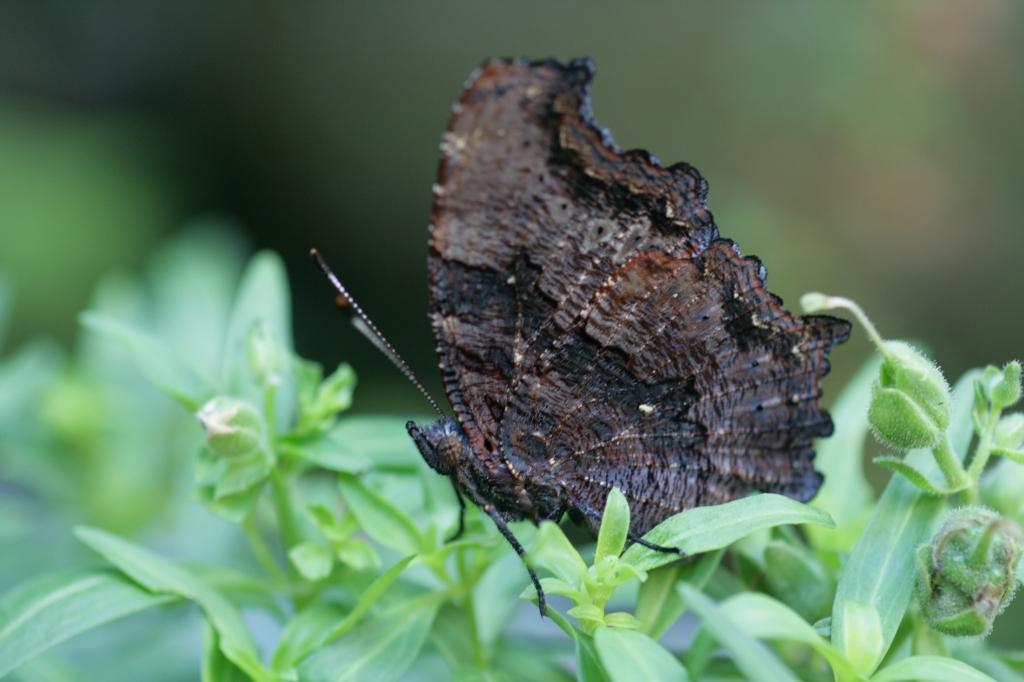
[(867, 149), (871, 149)]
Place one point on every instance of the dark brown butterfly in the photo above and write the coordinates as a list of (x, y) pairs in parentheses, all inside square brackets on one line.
[(592, 328)]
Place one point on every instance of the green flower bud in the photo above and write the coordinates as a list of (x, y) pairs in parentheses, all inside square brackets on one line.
[(909, 400), (265, 355), (968, 574), (233, 427), (1005, 391)]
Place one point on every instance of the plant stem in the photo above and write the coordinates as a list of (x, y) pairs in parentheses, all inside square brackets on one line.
[(950, 465), (981, 454), (287, 524), (468, 607), (827, 302), (260, 550)]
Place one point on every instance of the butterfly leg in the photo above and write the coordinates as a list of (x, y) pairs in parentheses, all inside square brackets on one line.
[(462, 514), (507, 533)]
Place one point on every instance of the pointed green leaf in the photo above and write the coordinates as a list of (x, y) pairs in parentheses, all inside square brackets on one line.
[(762, 617), (912, 474), (304, 633), (262, 296), (158, 363), (380, 649), (379, 518), (930, 669), (754, 659), (52, 608), (313, 561), (708, 528), (659, 605), (796, 576), (215, 666), (370, 595), (551, 550), (588, 663), (611, 537), (160, 575), (263, 299), (845, 493), (628, 655)]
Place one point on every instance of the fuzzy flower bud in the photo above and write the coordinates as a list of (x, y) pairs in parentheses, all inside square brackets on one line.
[(909, 400), (233, 427), (967, 575), (1007, 390)]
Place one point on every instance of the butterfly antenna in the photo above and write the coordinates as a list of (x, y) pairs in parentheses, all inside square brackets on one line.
[(367, 328)]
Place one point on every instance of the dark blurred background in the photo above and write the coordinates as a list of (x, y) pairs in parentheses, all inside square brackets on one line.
[(869, 149)]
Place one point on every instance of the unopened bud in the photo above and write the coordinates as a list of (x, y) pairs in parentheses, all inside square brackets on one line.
[(1005, 390), (968, 572), (233, 427), (909, 400)]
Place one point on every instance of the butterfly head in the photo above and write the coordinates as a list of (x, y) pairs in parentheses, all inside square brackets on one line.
[(442, 444)]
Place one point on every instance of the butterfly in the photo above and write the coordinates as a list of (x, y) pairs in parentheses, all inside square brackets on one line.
[(593, 329)]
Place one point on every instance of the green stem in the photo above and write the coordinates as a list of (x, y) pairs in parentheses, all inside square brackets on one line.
[(816, 302), (260, 549), (981, 455), (288, 526), (468, 607), (950, 465)]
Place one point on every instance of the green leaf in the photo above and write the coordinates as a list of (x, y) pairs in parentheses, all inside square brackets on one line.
[(52, 608), (380, 519), (930, 669), (262, 299), (659, 605), (158, 363), (381, 649), (914, 475), (588, 663), (242, 474), (305, 632), (331, 396), (370, 595), (762, 617), (494, 596), (262, 296), (796, 576), (845, 493), (878, 577), (159, 575), (628, 655), (553, 551), (215, 666), (358, 444), (313, 561), (704, 529), (754, 659), (611, 537)]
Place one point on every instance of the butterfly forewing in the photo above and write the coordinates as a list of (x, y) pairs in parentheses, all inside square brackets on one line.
[(593, 330)]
